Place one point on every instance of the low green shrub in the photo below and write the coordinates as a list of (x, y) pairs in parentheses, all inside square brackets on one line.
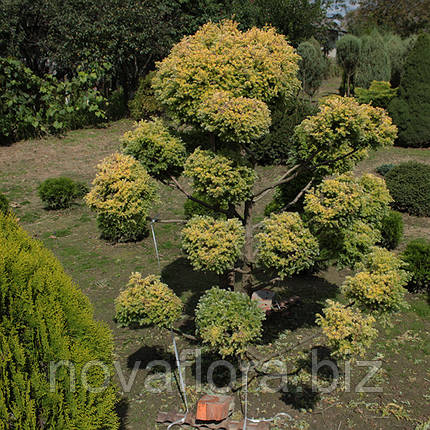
[(417, 257), (59, 193), (228, 321), (4, 204), (383, 169), (379, 94), (144, 104), (392, 229), (409, 185), (147, 301), (116, 105), (46, 319)]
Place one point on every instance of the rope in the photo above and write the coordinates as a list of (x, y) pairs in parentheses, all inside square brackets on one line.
[(154, 220), (261, 420), (181, 385)]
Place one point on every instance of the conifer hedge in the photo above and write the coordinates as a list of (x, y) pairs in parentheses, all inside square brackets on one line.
[(45, 318)]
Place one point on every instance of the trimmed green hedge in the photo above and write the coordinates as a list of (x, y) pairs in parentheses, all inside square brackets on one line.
[(45, 318)]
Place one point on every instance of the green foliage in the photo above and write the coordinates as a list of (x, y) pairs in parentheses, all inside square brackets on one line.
[(59, 193), (348, 331), (417, 258), (374, 62), (409, 185), (379, 284), (45, 319), (410, 110), (32, 106), (4, 204), (346, 215), (213, 245), (144, 105), (147, 301), (379, 94), (383, 169), (221, 58), (116, 106), (286, 245), (122, 195), (192, 208), (219, 177), (312, 67), (392, 230), (234, 119), (347, 55), (228, 321), (340, 135), (275, 147), (397, 49), (160, 153)]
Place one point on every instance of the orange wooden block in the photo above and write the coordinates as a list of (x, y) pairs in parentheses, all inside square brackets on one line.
[(214, 408)]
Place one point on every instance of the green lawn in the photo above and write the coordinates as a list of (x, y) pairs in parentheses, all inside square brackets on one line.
[(102, 270)]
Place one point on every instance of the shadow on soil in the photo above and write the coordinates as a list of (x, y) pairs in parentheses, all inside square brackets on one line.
[(144, 355)]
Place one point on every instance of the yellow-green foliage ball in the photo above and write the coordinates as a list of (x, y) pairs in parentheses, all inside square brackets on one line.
[(379, 284), (219, 177), (160, 153), (213, 245), (147, 301), (341, 134), (286, 244), (228, 321), (122, 195), (348, 331)]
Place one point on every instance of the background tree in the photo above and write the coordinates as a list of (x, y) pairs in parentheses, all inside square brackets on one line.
[(312, 66), (410, 110), (348, 55), (374, 61)]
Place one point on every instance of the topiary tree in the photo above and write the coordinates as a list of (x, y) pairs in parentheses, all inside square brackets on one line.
[(348, 56), (410, 110), (374, 62), (224, 85), (46, 320), (312, 67), (379, 94)]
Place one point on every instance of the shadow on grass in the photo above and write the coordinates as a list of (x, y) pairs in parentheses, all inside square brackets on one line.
[(312, 292), (121, 409), (144, 355)]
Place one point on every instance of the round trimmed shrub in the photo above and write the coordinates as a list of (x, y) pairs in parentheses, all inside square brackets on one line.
[(228, 321), (147, 301), (392, 229), (4, 203), (122, 196), (417, 257), (409, 185), (59, 193)]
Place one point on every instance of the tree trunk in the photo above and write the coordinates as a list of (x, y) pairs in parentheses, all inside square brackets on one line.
[(248, 254), (227, 280)]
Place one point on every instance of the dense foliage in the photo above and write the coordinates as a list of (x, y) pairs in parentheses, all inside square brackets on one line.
[(383, 169), (59, 193), (410, 110), (4, 203), (32, 106), (286, 245), (417, 259), (379, 94), (122, 195), (160, 153), (45, 319), (212, 245), (144, 105), (348, 55), (392, 229), (374, 61), (147, 301), (228, 321), (409, 185), (345, 214)]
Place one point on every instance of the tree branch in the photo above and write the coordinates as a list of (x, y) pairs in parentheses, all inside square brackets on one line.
[(299, 196)]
